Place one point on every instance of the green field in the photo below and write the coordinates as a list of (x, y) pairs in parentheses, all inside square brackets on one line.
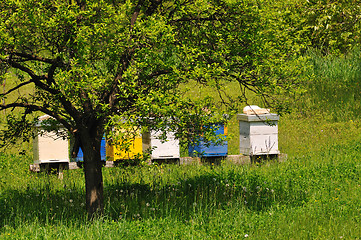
[(314, 194)]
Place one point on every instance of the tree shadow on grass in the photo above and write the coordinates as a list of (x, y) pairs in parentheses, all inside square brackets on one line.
[(41, 205), (183, 200), (201, 195)]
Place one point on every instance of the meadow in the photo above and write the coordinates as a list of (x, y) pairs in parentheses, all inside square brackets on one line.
[(314, 194)]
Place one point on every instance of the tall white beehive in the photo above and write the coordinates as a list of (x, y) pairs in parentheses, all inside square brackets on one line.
[(168, 149), (258, 133), (48, 147)]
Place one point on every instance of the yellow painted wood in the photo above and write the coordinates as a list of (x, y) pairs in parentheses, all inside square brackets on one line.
[(115, 152)]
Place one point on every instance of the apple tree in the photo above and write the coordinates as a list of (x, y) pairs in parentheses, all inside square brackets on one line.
[(90, 62)]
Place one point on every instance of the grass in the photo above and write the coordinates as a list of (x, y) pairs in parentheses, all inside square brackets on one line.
[(333, 86), (315, 194)]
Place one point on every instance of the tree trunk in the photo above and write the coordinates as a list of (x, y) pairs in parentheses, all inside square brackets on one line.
[(93, 175)]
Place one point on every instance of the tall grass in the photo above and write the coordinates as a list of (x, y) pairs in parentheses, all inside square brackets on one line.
[(334, 85)]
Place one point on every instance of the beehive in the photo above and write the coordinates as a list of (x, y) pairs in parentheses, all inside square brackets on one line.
[(258, 134), (167, 149), (204, 149), (115, 151), (48, 147), (80, 156)]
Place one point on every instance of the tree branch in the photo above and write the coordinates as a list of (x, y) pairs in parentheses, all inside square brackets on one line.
[(15, 88), (110, 96), (36, 79), (159, 73), (196, 19), (135, 14), (30, 57), (33, 107), (153, 7), (27, 70)]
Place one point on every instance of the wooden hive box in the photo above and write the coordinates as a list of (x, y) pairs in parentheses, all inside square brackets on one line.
[(258, 134), (167, 149), (48, 147), (114, 151)]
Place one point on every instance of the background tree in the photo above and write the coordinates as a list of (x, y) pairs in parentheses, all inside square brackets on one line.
[(329, 25), (93, 62), (333, 25)]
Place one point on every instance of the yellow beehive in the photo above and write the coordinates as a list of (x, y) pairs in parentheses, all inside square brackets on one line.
[(116, 152)]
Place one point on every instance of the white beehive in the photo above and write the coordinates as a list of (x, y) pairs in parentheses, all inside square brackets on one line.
[(168, 149), (48, 147), (258, 134)]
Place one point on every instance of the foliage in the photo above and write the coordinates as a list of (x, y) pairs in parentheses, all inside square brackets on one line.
[(328, 25), (137, 64), (139, 55), (333, 25)]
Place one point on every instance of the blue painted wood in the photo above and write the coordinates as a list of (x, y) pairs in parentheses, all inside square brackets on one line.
[(80, 156), (210, 149)]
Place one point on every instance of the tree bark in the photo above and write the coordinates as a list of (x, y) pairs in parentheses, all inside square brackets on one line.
[(93, 175)]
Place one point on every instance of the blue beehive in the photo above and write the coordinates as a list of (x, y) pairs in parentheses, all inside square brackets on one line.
[(203, 149), (79, 158)]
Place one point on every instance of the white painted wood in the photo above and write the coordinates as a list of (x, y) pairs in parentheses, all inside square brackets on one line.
[(258, 134), (49, 148), (164, 149), (263, 128), (258, 118)]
